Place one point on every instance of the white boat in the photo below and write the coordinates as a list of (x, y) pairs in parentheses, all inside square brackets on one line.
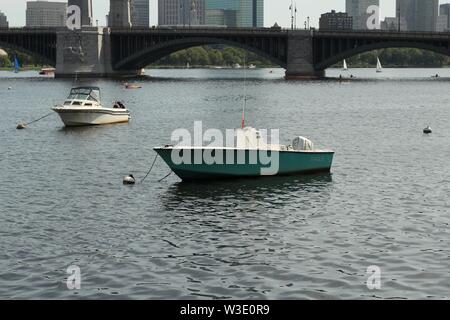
[(237, 66), (379, 67), (83, 107), (132, 86), (47, 71), (345, 67), (252, 66)]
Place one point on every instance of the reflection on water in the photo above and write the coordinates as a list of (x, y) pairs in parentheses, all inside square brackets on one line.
[(89, 130), (280, 192), (247, 188)]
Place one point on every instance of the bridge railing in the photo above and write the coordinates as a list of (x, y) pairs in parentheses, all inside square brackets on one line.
[(32, 29), (383, 33), (199, 29)]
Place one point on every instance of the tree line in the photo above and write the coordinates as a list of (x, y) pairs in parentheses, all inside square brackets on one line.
[(25, 60), (228, 56), (400, 58), (212, 56)]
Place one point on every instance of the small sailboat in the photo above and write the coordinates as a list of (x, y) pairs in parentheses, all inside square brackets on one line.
[(345, 67), (379, 67), (16, 65)]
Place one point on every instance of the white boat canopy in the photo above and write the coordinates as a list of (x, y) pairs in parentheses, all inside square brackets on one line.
[(85, 93)]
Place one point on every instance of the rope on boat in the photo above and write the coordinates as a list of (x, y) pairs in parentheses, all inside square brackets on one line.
[(24, 125), (153, 164)]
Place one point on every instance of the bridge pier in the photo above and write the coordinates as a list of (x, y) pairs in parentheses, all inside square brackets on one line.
[(300, 56), (86, 53)]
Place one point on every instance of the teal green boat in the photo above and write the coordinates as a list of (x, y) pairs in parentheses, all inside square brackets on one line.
[(251, 157)]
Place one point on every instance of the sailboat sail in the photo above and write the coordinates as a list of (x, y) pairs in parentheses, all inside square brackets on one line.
[(379, 67), (16, 65), (345, 67)]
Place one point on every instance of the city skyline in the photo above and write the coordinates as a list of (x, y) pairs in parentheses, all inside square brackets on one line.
[(274, 11)]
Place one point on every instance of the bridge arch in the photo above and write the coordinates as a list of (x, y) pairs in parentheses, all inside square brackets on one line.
[(36, 42), (337, 56), (153, 53), (41, 58)]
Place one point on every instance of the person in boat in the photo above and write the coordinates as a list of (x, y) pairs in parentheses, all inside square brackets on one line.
[(118, 105)]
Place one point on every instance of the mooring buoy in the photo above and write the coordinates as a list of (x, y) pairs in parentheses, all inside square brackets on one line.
[(129, 179), (427, 130), (21, 126)]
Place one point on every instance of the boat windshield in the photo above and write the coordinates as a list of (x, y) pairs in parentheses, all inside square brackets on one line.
[(92, 94)]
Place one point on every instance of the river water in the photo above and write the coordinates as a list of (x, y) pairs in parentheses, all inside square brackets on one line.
[(385, 204)]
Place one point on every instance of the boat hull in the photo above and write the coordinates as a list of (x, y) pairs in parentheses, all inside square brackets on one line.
[(289, 163), (77, 117)]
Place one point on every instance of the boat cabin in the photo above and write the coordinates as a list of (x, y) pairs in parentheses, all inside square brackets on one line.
[(84, 97), (250, 138)]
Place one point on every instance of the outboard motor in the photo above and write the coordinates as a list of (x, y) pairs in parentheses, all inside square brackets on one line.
[(302, 144)]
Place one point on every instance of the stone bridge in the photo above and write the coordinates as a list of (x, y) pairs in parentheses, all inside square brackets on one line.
[(110, 52)]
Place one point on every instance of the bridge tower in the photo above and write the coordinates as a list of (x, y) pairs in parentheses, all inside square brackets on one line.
[(119, 13)]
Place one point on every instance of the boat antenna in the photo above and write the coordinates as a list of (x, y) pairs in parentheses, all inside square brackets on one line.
[(245, 92)]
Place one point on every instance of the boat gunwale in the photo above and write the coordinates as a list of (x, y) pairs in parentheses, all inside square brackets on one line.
[(245, 149), (89, 109)]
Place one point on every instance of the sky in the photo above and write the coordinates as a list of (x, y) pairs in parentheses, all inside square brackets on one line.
[(275, 10)]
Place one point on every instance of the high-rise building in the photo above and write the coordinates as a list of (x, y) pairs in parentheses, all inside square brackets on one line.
[(335, 21), (3, 20), (235, 13), (357, 9), (140, 13), (392, 24), (442, 24), (420, 15), (119, 13), (251, 14), (221, 13), (181, 12), (46, 14), (86, 11), (445, 11)]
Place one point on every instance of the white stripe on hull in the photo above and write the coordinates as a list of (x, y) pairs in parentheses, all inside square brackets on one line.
[(78, 118)]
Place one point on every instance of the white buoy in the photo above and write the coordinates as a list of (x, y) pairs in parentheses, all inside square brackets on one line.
[(427, 130), (129, 179), (9, 88), (21, 126)]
